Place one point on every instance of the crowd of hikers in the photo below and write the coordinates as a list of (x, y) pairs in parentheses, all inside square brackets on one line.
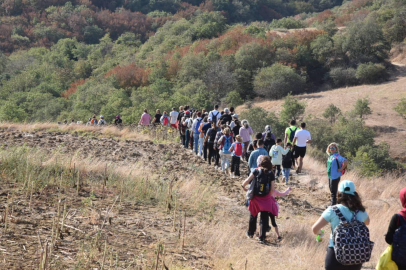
[(221, 139)]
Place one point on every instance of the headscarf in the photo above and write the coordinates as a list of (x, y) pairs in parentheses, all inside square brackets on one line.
[(117, 116), (267, 128), (402, 195)]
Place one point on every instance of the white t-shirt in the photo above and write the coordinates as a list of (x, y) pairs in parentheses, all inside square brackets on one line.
[(216, 113), (174, 117), (302, 136)]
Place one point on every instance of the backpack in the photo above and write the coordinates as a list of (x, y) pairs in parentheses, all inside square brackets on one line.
[(214, 117), (189, 124), (262, 184), (212, 135), (226, 143), (287, 160), (197, 126), (166, 121), (399, 244), (351, 240), (102, 122), (292, 134), (238, 149), (268, 142), (338, 166)]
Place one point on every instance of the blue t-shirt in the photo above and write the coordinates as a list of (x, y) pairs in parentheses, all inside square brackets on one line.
[(333, 219)]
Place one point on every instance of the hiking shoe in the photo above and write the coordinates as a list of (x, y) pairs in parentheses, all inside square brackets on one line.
[(279, 239), (248, 235)]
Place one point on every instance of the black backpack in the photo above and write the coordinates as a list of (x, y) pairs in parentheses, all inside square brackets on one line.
[(214, 117), (399, 244), (262, 182), (292, 134), (268, 142), (287, 160), (212, 135)]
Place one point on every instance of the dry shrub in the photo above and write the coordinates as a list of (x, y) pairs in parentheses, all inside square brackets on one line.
[(72, 88), (130, 76)]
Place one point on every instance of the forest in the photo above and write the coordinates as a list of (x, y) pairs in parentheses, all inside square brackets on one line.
[(72, 59)]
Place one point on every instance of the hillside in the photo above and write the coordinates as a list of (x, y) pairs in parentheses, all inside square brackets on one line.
[(389, 126)]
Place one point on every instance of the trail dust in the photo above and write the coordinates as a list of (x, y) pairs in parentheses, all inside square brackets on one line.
[(209, 211)]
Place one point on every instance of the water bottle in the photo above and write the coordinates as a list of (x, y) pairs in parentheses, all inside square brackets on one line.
[(319, 237)]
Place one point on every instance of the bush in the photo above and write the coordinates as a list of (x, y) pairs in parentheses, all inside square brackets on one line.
[(331, 113), (401, 108), (287, 23), (343, 76), (259, 118), (371, 73), (277, 81), (291, 109), (361, 108)]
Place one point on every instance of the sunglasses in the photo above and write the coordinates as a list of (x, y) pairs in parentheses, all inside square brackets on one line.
[(332, 148)]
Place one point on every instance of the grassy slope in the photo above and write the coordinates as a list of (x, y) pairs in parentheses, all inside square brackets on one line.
[(384, 97)]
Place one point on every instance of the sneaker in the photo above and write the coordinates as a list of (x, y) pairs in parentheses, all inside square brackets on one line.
[(215, 167), (248, 235), (279, 238)]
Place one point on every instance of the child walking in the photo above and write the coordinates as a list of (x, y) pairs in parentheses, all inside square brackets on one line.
[(287, 162), (276, 153), (225, 143), (274, 194), (237, 149)]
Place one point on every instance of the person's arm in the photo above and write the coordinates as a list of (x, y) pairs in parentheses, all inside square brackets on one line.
[(284, 151), (345, 163), (247, 181), (393, 225), (294, 140), (367, 221), (251, 161), (285, 141), (281, 194), (231, 148), (320, 223)]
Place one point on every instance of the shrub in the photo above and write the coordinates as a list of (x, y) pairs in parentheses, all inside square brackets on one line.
[(233, 98), (343, 76), (331, 113), (288, 23), (401, 108), (361, 108), (291, 109), (277, 81), (371, 73)]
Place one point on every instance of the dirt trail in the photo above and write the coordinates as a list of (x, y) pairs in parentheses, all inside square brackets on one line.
[(148, 224)]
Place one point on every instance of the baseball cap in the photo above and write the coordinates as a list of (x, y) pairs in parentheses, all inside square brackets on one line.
[(347, 187), (235, 115), (209, 119)]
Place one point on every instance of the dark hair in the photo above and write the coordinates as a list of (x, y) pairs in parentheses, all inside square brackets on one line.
[(223, 122), (255, 143), (145, 111), (199, 114), (216, 106), (237, 122), (266, 163), (231, 109), (205, 119), (293, 123), (260, 142), (278, 140), (213, 124), (258, 136), (288, 144), (353, 202), (303, 125)]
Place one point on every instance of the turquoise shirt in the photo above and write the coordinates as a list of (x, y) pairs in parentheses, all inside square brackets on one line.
[(331, 217)]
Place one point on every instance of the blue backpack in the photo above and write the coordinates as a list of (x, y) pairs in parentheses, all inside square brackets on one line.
[(399, 244), (197, 126), (227, 144)]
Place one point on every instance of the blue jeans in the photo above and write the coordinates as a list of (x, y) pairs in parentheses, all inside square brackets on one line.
[(285, 172), (187, 138), (196, 141), (201, 146)]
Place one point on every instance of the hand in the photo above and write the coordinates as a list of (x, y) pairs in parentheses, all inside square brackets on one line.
[(244, 188), (340, 170)]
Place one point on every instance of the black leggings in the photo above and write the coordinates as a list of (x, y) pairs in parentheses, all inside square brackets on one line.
[(333, 185), (331, 262), (273, 221), (235, 165), (263, 225), (277, 170), (212, 152)]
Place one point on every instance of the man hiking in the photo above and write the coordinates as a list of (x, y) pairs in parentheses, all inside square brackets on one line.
[(215, 115), (173, 117), (302, 138)]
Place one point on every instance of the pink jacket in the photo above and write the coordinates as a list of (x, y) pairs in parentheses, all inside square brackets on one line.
[(245, 134), (145, 119)]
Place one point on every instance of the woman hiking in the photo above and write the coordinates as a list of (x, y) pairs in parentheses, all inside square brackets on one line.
[(350, 206), (145, 119), (395, 236), (237, 149), (245, 133), (261, 201), (157, 117), (336, 164)]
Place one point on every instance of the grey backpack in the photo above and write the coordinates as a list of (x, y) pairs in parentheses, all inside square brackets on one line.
[(351, 240)]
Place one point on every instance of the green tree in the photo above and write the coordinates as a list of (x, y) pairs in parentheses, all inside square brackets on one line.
[(371, 73), (331, 113), (12, 113), (234, 99), (277, 81), (292, 108), (92, 34), (401, 108), (341, 76), (362, 108)]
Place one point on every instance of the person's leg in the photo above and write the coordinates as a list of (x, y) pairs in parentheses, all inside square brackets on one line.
[(227, 162), (223, 161), (331, 262), (196, 142), (233, 160), (205, 150), (264, 225), (287, 171), (187, 137), (300, 164), (191, 140), (201, 146), (211, 151), (333, 184), (246, 144), (217, 152), (252, 225), (278, 170), (237, 166), (273, 222)]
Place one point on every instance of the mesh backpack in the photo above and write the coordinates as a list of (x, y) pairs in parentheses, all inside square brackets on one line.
[(351, 240), (262, 185), (399, 244)]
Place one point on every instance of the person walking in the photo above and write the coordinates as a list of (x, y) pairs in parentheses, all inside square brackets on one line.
[(173, 118), (118, 121), (214, 115), (101, 121), (186, 124), (237, 149), (216, 146), (336, 164), (245, 133), (396, 236), (261, 201), (204, 127), (350, 206), (196, 132), (165, 119), (236, 128), (232, 124), (226, 117), (145, 119), (157, 117), (290, 133), (225, 142), (287, 161), (274, 194), (276, 153), (209, 141), (302, 138), (252, 161), (179, 125)]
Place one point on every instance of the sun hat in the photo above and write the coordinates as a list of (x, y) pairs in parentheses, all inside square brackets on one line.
[(347, 187)]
